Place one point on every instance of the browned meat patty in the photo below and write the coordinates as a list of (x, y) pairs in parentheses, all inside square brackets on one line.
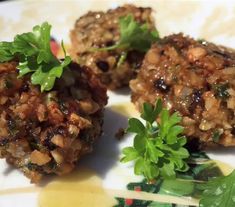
[(44, 133), (195, 78), (100, 29)]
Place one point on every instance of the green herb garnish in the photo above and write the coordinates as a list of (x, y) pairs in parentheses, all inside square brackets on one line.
[(33, 51), (158, 146), (219, 192), (133, 36)]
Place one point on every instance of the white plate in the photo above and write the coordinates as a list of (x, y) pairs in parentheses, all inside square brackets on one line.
[(212, 20)]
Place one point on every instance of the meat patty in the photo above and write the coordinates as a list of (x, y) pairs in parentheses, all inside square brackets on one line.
[(101, 29), (195, 78), (44, 133)]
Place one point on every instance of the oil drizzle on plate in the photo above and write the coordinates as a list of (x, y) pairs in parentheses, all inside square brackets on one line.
[(82, 188), (126, 109), (225, 168)]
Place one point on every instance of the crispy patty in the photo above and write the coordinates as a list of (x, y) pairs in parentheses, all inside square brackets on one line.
[(101, 29), (195, 78), (44, 133)]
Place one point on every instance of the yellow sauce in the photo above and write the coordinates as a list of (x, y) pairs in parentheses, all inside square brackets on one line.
[(82, 188), (126, 109), (224, 167)]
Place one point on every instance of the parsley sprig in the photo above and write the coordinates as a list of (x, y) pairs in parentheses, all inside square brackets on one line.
[(33, 51), (158, 145), (218, 192), (133, 36)]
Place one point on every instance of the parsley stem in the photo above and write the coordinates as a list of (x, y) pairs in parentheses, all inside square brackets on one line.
[(122, 58), (95, 49)]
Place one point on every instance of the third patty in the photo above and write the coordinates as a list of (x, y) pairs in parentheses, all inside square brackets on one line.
[(101, 29)]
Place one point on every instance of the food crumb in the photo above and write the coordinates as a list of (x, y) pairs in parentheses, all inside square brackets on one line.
[(120, 134)]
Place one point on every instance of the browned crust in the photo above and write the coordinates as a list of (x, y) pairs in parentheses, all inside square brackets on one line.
[(44, 133), (186, 74), (100, 29)]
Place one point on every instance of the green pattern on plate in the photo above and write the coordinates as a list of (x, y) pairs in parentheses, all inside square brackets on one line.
[(186, 184)]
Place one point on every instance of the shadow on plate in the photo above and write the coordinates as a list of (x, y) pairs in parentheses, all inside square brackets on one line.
[(8, 170), (222, 150), (106, 150), (123, 91)]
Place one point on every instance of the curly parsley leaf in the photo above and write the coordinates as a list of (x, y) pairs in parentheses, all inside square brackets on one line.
[(218, 192), (158, 145), (5, 53), (134, 36), (33, 51)]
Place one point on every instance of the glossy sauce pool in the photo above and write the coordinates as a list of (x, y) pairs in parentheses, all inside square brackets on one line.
[(82, 188)]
